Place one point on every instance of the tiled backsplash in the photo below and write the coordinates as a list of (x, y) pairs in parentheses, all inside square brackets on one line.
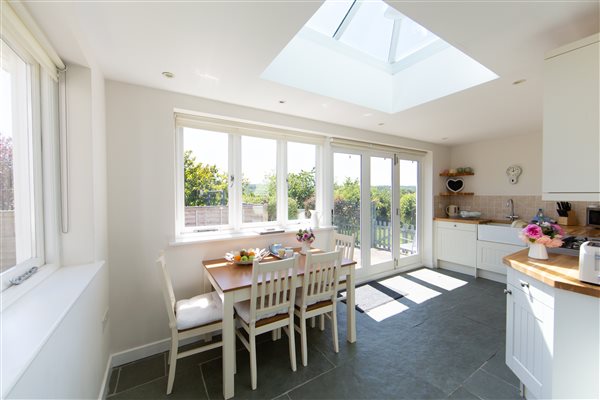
[(494, 207)]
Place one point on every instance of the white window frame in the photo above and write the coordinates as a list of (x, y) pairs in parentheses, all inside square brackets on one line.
[(236, 131), (33, 167)]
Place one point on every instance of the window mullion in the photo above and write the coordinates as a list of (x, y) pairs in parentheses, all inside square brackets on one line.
[(235, 168), (282, 186)]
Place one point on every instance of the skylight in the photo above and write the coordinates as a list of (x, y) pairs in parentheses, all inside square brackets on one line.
[(368, 53), (373, 28)]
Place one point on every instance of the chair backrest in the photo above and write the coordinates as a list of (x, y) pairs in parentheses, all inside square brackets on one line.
[(321, 276), (167, 289), (273, 288), (345, 243)]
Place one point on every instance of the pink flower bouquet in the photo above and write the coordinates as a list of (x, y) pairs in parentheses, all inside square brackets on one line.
[(305, 236), (545, 233)]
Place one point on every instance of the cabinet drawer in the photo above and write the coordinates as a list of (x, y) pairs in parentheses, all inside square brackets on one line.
[(531, 287), (457, 226)]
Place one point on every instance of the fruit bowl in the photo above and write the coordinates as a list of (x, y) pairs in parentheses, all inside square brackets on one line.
[(246, 256)]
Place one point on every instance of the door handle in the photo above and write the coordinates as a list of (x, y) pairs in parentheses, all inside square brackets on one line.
[(507, 291), (524, 284)]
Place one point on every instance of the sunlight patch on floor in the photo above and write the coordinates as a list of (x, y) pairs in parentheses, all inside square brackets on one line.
[(410, 290), (435, 278), (386, 310)]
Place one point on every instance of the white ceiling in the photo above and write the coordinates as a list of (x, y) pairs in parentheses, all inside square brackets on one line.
[(235, 41)]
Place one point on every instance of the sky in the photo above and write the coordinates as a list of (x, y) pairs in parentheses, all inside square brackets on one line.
[(259, 158)]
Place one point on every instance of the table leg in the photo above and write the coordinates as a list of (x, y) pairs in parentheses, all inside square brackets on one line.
[(351, 311), (228, 346)]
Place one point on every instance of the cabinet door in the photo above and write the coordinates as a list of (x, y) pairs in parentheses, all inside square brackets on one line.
[(529, 341), (457, 246), (490, 254), (571, 124)]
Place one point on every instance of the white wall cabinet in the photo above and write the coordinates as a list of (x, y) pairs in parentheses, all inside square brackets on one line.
[(572, 122), (456, 243), (552, 339)]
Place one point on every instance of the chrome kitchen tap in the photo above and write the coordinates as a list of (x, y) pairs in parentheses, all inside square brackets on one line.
[(510, 203)]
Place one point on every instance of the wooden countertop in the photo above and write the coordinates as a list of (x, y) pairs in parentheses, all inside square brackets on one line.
[(559, 270), (464, 220)]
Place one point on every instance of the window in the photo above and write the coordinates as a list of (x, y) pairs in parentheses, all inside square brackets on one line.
[(301, 180), (206, 178), (21, 237), (235, 178)]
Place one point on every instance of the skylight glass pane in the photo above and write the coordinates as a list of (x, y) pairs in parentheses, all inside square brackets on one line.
[(329, 16), (370, 31), (412, 37)]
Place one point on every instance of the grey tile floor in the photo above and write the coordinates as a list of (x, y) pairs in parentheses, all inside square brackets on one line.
[(449, 346)]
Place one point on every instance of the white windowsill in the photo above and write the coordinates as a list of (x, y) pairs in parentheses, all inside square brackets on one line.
[(28, 323), (224, 236)]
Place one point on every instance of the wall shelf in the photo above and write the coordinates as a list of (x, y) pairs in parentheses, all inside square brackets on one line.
[(448, 174), (457, 194)]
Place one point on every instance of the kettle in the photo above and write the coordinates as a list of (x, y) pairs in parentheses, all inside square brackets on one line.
[(452, 210)]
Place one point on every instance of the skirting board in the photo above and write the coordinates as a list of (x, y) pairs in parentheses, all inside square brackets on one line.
[(493, 276), (463, 269)]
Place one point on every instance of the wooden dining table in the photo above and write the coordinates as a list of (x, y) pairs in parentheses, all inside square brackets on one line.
[(233, 282)]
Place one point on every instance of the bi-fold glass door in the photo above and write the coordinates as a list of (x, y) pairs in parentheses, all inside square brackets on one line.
[(375, 199)]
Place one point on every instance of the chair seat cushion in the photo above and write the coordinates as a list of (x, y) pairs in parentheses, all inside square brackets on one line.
[(242, 309), (299, 299), (199, 310)]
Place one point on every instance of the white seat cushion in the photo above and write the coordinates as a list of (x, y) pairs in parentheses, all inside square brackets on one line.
[(199, 310), (243, 311), (309, 303)]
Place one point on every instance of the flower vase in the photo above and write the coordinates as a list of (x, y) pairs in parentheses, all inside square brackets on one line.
[(538, 251), (305, 248)]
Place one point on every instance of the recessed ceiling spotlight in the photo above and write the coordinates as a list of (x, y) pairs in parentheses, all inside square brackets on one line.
[(518, 82), (168, 74), (444, 138), (281, 101), (368, 115), (381, 124)]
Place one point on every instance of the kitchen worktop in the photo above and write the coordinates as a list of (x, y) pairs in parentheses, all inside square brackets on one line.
[(560, 271), (464, 220), (571, 230)]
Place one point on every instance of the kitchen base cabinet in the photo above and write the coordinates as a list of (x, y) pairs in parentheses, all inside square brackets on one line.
[(456, 243), (489, 259), (552, 339)]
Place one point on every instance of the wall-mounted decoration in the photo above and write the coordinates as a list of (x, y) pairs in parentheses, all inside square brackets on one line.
[(513, 172), (455, 184)]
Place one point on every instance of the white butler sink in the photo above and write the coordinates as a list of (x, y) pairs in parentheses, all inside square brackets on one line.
[(499, 233)]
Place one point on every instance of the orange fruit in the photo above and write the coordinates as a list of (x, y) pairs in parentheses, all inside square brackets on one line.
[(237, 258)]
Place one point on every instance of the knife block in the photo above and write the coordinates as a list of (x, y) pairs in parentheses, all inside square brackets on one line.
[(570, 219)]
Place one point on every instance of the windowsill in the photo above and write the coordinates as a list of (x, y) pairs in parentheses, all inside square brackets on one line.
[(28, 323), (14, 293), (224, 236)]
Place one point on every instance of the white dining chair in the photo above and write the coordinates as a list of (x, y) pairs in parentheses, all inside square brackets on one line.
[(345, 243), (188, 318), (271, 307), (318, 293)]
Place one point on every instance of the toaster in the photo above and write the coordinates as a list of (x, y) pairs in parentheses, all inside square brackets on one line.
[(589, 262)]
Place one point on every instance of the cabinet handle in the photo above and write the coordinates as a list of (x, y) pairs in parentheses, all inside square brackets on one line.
[(507, 291), (524, 284)]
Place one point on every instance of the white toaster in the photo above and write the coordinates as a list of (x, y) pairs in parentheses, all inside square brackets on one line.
[(589, 262)]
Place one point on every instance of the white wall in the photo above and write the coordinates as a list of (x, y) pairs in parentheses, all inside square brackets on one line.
[(141, 201), (72, 362), (490, 159)]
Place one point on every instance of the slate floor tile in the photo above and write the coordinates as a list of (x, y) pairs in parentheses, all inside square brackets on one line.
[(497, 367), (487, 386), (141, 371), (462, 394)]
